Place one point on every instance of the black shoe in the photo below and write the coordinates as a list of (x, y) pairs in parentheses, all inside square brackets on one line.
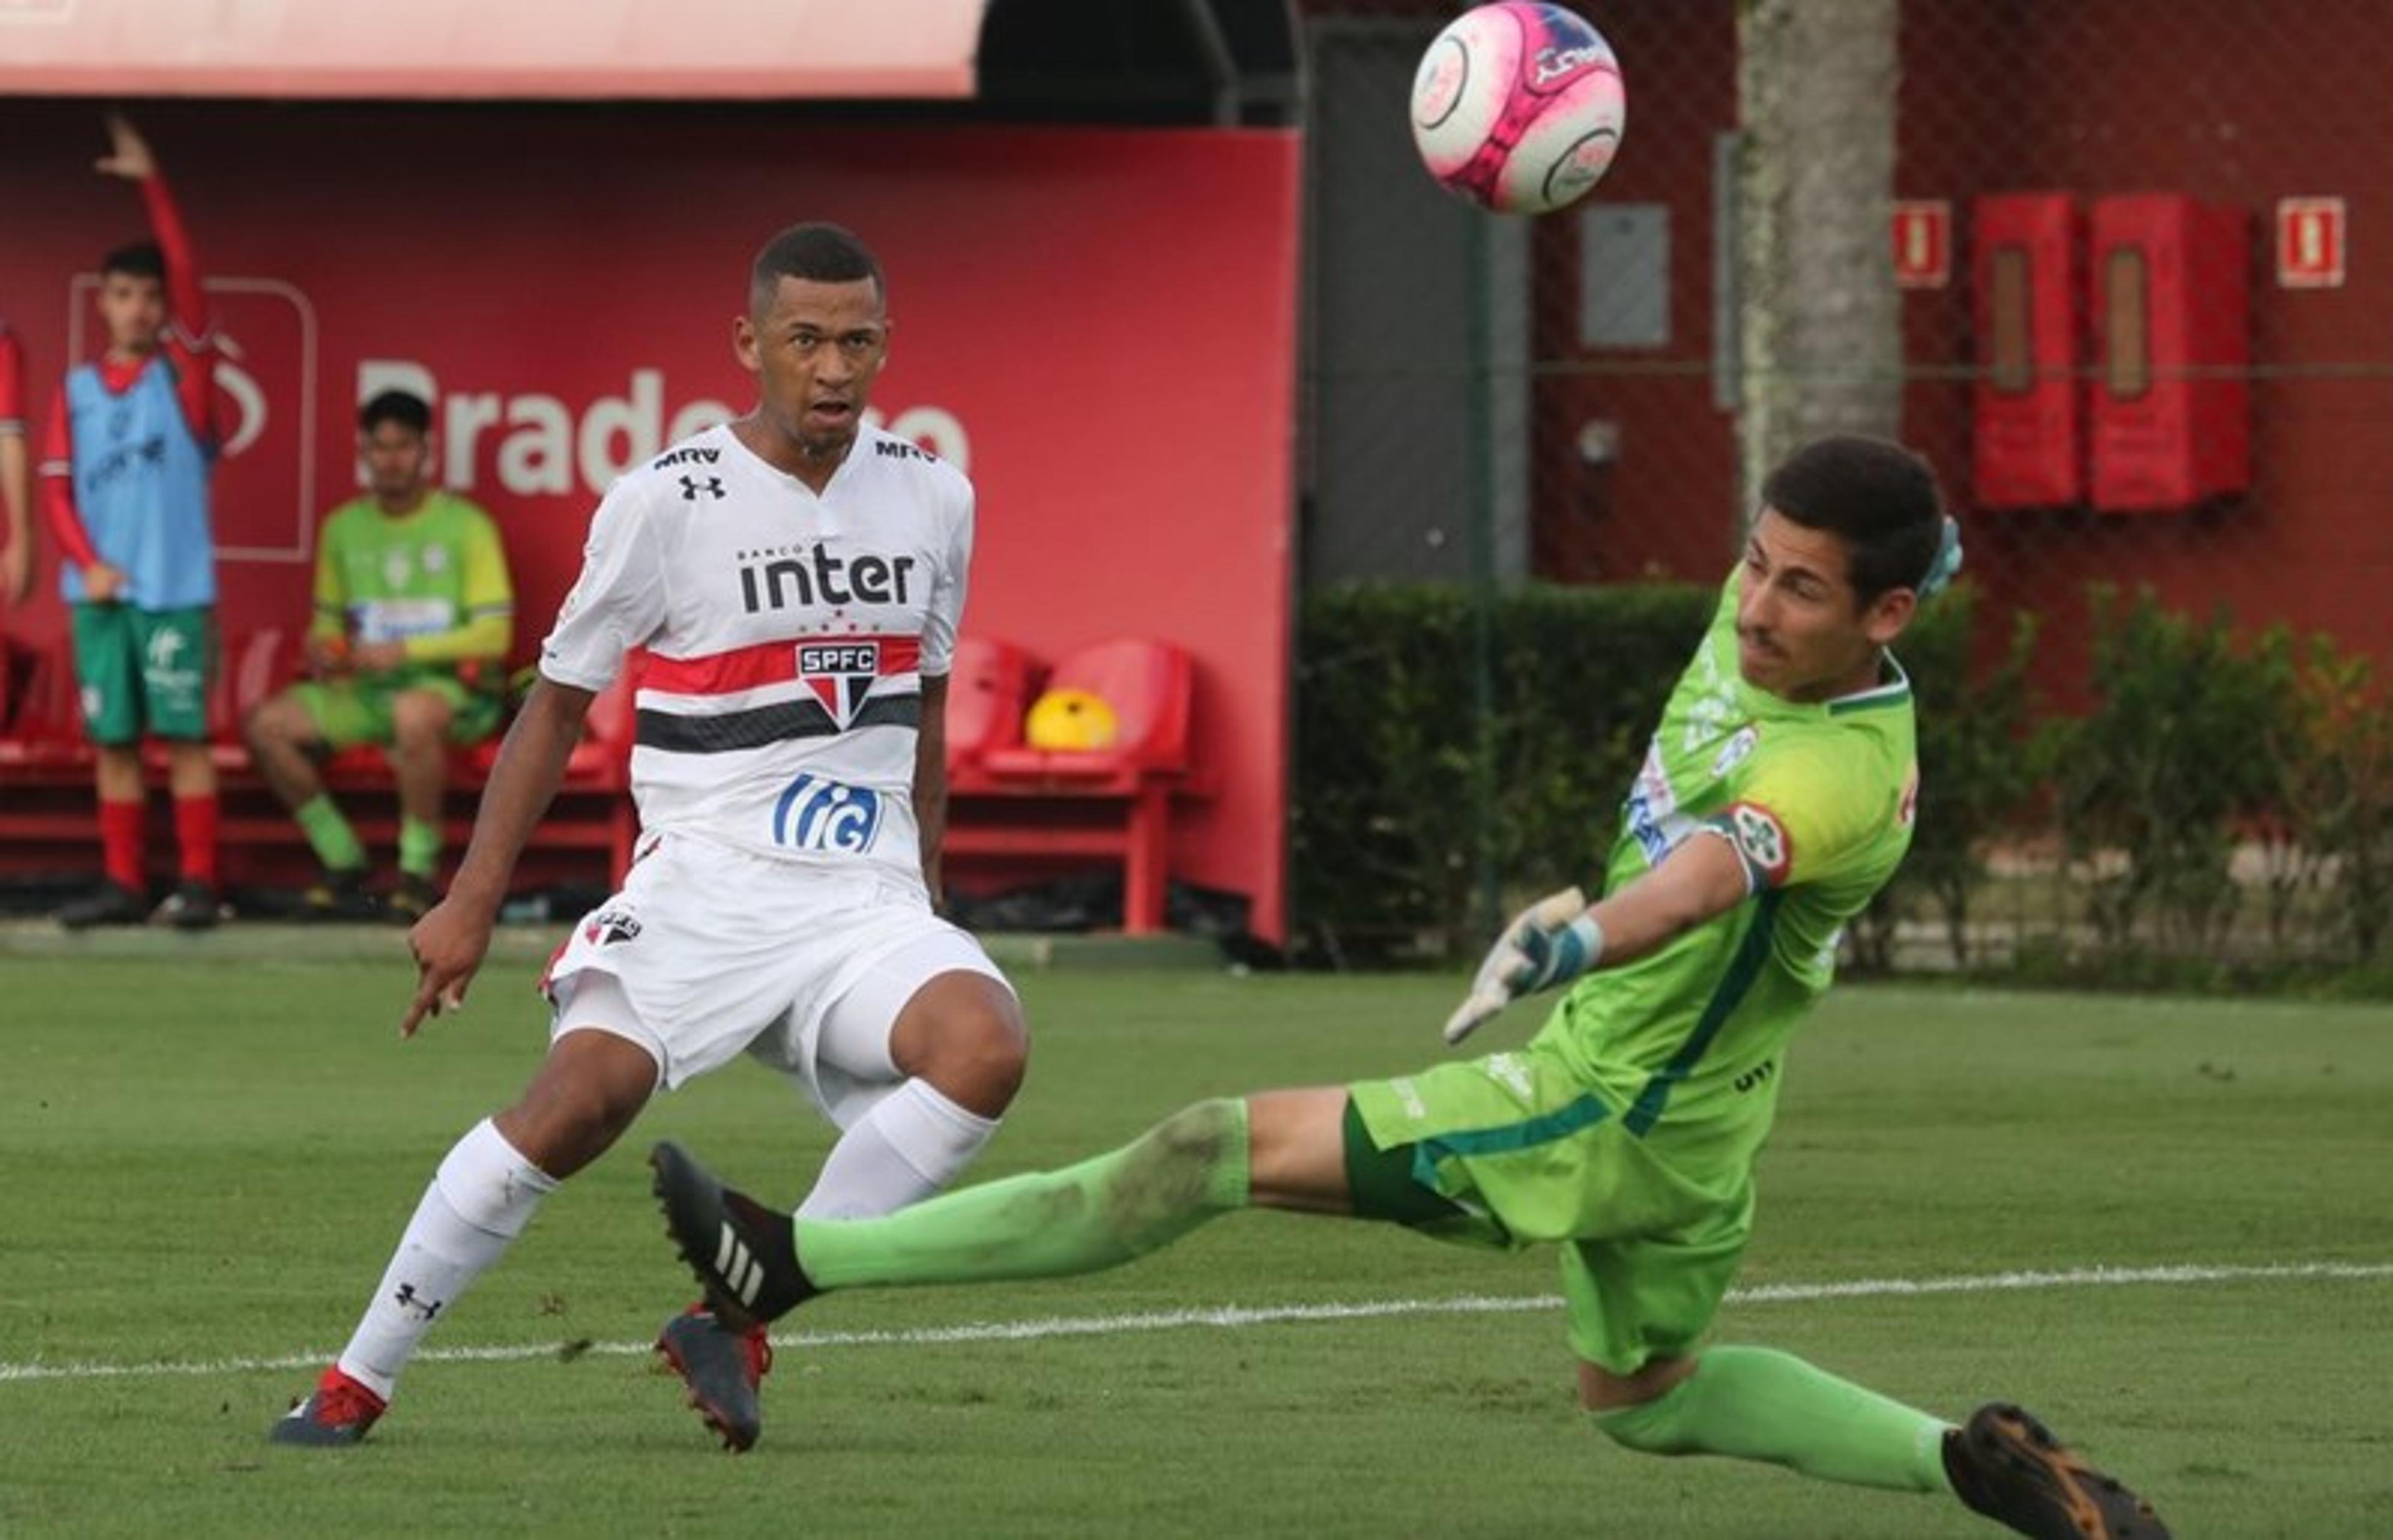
[(2009, 1466), (194, 906), (723, 1370), (111, 904), (744, 1254), (412, 899), (340, 893)]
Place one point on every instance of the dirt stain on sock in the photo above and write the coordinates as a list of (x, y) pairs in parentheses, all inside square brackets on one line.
[(1166, 1179)]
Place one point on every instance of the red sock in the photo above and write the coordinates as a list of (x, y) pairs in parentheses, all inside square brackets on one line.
[(120, 842), (195, 831)]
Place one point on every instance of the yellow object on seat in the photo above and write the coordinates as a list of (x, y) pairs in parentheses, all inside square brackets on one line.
[(1070, 719)]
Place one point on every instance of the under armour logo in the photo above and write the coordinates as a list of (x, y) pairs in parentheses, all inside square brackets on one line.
[(691, 486), (408, 1299)]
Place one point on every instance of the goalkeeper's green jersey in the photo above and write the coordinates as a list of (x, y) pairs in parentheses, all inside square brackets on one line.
[(434, 580), (1688, 1043)]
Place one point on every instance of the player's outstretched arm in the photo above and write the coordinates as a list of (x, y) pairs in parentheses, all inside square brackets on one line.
[(1561, 936), (190, 333), (1702, 880), (450, 941)]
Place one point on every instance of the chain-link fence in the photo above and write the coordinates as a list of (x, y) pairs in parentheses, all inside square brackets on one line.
[(2107, 264)]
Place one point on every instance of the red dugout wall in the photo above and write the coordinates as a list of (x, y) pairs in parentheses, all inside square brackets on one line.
[(1098, 324)]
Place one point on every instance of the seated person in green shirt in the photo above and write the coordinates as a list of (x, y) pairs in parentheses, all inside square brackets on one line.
[(414, 613)]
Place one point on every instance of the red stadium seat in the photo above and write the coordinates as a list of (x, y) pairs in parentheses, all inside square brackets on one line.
[(607, 728), (45, 718), (989, 688), (249, 672), (262, 666), (1112, 802), (48, 817), (16, 669), (1147, 684)]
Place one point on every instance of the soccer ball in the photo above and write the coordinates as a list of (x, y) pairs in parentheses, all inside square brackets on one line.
[(1518, 107)]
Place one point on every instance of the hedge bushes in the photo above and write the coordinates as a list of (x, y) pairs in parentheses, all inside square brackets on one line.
[(2208, 750), (2204, 752), (1393, 793)]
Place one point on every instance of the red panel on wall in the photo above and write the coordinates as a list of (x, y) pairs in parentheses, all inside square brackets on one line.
[(2170, 403), (1098, 325), (2026, 445)]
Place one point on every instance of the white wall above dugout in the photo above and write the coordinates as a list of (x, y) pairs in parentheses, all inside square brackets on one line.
[(481, 50)]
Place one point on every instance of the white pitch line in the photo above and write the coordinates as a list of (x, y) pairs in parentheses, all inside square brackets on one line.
[(1234, 1317)]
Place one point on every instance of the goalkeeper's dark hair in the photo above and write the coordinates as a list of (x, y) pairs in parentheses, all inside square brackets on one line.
[(1879, 496), (817, 252), (141, 259)]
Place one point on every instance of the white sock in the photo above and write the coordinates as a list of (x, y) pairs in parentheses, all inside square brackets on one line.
[(908, 1148), (479, 1201)]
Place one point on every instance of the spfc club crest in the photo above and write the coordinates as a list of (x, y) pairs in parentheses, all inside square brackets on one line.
[(610, 926), (839, 674)]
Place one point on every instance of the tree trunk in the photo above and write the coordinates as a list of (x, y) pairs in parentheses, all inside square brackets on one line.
[(1820, 324)]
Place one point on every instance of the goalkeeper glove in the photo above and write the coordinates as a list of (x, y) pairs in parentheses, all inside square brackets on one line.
[(1550, 942)]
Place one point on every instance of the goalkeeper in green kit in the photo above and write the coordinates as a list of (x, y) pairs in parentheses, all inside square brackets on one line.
[(1776, 799)]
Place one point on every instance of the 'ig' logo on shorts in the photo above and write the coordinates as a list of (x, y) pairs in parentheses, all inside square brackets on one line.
[(816, 812)]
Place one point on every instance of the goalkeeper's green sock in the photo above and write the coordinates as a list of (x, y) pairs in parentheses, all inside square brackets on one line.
[(1047, 1224), (329, 834), (1752, 1403)]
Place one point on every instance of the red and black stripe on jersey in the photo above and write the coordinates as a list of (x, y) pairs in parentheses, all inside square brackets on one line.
[(842, 677)]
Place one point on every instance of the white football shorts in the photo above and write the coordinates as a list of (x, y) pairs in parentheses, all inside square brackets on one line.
[(709, 952)]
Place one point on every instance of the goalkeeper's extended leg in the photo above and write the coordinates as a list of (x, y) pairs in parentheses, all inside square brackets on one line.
[(1282, 1148), (1756, 1403)]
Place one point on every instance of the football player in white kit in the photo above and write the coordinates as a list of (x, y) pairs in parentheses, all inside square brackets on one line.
[(786, 589)]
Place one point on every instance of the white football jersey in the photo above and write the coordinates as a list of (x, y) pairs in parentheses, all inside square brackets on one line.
[(778, 640)]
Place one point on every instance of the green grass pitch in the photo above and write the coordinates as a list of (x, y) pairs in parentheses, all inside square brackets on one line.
[(203, 1167)]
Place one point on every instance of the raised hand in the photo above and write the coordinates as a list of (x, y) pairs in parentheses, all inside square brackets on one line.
[(128, 153)]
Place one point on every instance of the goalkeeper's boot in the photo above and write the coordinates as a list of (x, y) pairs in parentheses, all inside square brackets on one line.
[(338, 1413), (744, 1252), (2009, 1466), (413, 899), (340, 893), (723, 1370)]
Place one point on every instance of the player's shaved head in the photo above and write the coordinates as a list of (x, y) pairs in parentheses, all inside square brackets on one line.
[(1879, 496), (817, 252)]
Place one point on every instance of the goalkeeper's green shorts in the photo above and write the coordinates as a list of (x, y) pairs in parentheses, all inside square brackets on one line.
[(1524, 1152)]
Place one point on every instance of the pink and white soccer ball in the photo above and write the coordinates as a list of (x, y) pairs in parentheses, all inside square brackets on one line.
[(1518, 107)]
